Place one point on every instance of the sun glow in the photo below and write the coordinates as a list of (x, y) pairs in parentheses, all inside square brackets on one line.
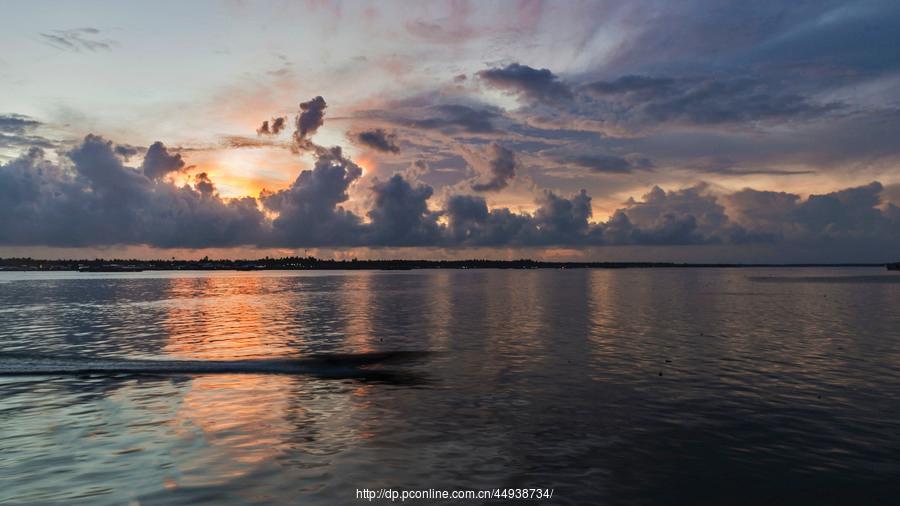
[(248, 171), (365, 163)]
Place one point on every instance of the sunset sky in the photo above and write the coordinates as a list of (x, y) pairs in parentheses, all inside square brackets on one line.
[(648, 130)]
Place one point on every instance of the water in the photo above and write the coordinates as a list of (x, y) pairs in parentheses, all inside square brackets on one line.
[(667, 386)]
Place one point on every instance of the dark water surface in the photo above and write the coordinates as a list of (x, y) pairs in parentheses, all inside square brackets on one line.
[(665, 386)]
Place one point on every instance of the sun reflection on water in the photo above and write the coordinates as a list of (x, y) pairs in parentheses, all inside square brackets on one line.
[(246, 422)]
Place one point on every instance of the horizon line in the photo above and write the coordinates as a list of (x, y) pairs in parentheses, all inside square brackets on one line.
[(311, 262)]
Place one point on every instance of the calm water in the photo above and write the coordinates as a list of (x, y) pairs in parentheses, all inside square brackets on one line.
[(712, 386)]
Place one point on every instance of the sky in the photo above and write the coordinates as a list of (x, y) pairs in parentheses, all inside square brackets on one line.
[(694, 131)]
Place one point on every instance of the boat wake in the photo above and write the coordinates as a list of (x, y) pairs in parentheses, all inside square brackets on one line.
[(362, 366)]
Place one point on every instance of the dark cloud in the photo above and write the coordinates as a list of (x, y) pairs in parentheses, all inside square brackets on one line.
[(450, 114), (77, 39), (126, 151), (204, 185), (311, 117), (853, 141), (91, 197), (470, 223), (309, 211), (534, 84), (847, 213), (852, 214), (779, 89), (564, 221), (400, 214), (503, 165), (609, 164), (15, 132), (96, 161), (839, 46), (25, 141), (158, 161), (17, 124), (278, 125), (828, 36), (656, 100), (693, 216), (557, 221), (379, 139), (686, 216), (453, 118), (736, 66), (465, 213), (40, 203), (273, 128), (103, 201), (98, 200), (891, 193)]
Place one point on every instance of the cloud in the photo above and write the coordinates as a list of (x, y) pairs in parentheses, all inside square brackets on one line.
[(454, 118), (557, 221), (77, 39), (17, 124), (631, 84), (685, 216), (92, 199), (306, 123), (96, 161), (693, 216), (417, 169), (311, 117), (540, 85), (97, 200), (273, 128), (634, 95), (849, 214), (470, 223), (739, 171), (400, 214), (92, 196), (608, 164), (833, 40), (25, 141), (309, 211), (379, 139), (38, 201), (126, 151), (564, 221), (426, 116), (502, 164), (158, 162), (15, 133), (240, 141), (204, 185), (710, 101)]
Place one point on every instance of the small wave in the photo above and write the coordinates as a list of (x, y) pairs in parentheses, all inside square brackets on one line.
[(343, 365)]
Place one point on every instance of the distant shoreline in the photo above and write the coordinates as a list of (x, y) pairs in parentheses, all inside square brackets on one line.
[(311, 263)]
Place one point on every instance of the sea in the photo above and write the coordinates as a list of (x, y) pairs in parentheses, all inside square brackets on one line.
[(719, 386)]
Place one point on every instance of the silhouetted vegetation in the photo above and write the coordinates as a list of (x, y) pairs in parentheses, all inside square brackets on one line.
[(312, 263)]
